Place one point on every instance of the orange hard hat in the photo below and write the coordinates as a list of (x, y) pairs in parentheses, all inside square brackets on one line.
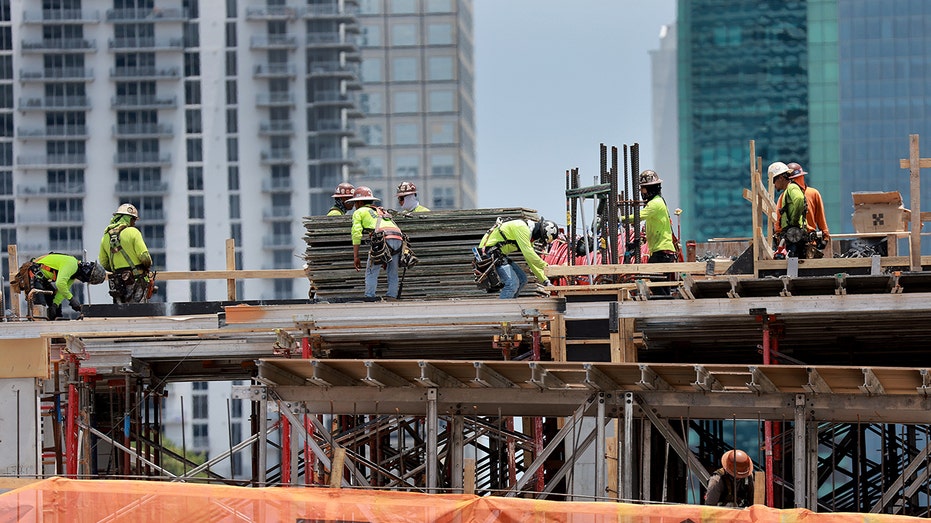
[(737, 463), (344, 190)]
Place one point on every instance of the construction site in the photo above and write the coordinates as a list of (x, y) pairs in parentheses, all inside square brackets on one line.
[(596, 398)]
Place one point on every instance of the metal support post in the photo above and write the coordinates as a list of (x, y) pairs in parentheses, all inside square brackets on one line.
[(627, 457), (456, 453), (800, 462), (600, 449), (285, 451), (263, 438), (432, 430)]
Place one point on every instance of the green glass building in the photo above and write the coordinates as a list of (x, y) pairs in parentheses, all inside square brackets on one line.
[(836, 85)]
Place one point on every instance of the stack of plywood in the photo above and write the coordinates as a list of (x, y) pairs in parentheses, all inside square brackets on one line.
[(441, 240)]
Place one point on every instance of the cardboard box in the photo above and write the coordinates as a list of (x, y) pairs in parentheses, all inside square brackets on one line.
[(879, 212)]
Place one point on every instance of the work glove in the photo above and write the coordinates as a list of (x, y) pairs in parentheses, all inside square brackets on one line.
[(75, 304)]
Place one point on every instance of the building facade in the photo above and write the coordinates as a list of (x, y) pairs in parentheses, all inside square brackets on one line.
[(418, 100), (223, 120), (836, 85)]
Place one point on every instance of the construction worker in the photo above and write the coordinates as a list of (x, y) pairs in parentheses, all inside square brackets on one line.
[(792, 235), (732, 484), (343, 193), (407, 198), (814, 216), (655, 215), (386, 242), (56, 273), (124, 254), (518, 235)]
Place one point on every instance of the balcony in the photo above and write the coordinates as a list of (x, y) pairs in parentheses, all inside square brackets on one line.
[(62, 74), (276, 185), (143, 102), (52, 218), (54, 102), (155, 14), (330, 98), (53, 132), (144, 73), (278, 213), (52, 161), (274, 71), (277, 12), (143, 130), (277, 156), (332, 41), (61, 16), (141, 159), (276, 127), (274, 99), (141, 188), (332, 127), (59, 45), (332, 69), (330, 12), (273, 42), (147, 44), (51, 190), (278, 241)]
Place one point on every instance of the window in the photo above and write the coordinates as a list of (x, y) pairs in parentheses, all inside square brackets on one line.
[(439, 6), (197, 261), (236, 410), (372, 134), (442, 133), (442, 165), (232, 149), (371, 70), (407, 167), (371, 36), (441, 101), (232, 124), (406, 102), (195, 150), (230, 34), (232, 177), (235, 212), (192, 93), (440, 68), (191, 35), (200, 406), (443, 198), (231, 66), (191, 64), (196, 235), (406, 134), (370, 7), (440, 34), (198, 290), (403, 34), (231, 97), (400, 7), (404, 69), (192, 123), (195, 207), (371, 103), (195, 178), (201, 436), (374, 166)]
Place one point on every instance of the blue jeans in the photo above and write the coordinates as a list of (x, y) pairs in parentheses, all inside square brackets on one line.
[(513, 277), (372, 271)]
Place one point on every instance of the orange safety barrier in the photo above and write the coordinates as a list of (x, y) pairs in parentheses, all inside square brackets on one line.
[(63, 500)]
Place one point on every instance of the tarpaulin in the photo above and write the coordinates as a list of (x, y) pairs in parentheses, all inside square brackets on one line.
[(59, 500)]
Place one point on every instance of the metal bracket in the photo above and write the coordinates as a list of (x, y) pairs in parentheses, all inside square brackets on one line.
[(787, 282), (733, 292), (759, 382), (542, 378), (816, 383), (650, 380), (285, 344), (705, 381), (925, 388), (841, 280), (871, 384)]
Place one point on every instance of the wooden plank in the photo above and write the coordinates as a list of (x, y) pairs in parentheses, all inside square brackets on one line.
[(232, 274), (231, 266), (24, 358), (906, 163), (915, 190)]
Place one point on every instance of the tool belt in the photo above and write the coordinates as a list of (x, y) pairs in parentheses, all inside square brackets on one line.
[(381, 253), (484, 267), (794, 234)]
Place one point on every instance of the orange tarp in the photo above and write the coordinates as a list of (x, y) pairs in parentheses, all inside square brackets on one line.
[(62, 500)]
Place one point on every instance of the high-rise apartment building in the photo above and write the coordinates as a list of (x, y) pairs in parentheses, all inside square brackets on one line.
[(418, 100), (226, 119), (836, 85)]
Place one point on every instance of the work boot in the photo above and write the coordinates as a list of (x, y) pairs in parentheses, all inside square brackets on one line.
[(390, 298)]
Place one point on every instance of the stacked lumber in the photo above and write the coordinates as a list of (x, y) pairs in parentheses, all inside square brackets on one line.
[(441, 240)]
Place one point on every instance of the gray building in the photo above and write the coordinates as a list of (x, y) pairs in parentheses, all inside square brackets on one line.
[(224, 120), (418, 100)]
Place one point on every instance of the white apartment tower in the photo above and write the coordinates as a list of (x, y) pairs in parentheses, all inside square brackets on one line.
[(418, 99), (224, 119)]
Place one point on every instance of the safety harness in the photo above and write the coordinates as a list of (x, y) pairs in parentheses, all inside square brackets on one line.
[(379, 250), (117, 247)]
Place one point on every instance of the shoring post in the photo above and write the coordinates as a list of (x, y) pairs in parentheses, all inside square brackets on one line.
[(285, 451), (71, 433), (537, 420)]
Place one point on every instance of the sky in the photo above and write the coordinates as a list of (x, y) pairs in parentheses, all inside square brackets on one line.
[(554, 79)]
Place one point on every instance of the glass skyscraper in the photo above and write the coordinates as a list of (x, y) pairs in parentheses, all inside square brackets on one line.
[(836, 85)]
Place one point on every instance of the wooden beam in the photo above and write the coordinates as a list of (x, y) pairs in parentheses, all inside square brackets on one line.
[(915, 197), (234, 275), (231, 266)]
